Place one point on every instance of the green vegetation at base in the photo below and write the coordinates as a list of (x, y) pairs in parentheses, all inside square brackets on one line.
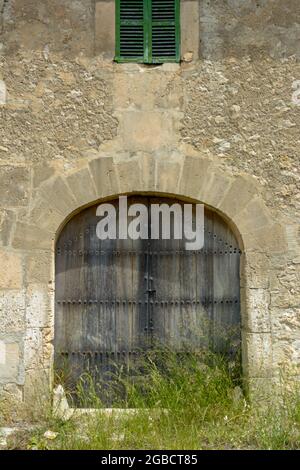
[(187, 401)]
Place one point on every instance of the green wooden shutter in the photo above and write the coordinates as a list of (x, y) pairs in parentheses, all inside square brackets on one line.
[(130, 23), (148, 31), (165, 31)]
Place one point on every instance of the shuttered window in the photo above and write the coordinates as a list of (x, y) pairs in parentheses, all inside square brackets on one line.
[(147, 31)]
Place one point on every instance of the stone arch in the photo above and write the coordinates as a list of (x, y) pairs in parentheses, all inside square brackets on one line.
[(236, 198)]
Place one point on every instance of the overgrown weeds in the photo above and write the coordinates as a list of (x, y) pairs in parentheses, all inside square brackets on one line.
[(184, 401)]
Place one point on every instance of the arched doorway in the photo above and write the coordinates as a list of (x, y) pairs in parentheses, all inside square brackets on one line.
[(116, 298)]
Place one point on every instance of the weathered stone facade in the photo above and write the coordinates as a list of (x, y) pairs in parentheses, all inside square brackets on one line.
[(222, 129)]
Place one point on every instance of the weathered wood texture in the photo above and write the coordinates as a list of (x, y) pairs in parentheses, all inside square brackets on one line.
[(115, 298)]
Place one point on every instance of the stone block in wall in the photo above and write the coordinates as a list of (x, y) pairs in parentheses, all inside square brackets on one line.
[(255, 216), (9, 360), (105, 28), (129, 173), (257, 354), (3, 93), (37, 389), (147, 131), (134, 90), (167, 175), (293, 240), (58, 195), (38, 348), (272, 238), (256, 270), (11, 275), (190, 32), (257, 304), (31, 237), (39, 268), (12, 311), (33, 348), (82, 186), (213, 188), (148, 165), (7, 220), (241, 192), (44, 216), (194, 176), (152, 89), (48, 348), (38, 306), (103, 171), (12, 393), (41, 173), (14, 185)]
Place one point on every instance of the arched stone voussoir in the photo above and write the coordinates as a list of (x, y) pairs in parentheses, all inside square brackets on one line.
[(168, 174), (269, 239), (148, 164), (214, 188), (241, 191), (104, 174), (82, 186), (254, 216), (129, 171), (58, 196), (194, 175), (44, 216)]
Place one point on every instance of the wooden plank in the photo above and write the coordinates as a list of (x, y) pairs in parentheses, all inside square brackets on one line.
[(226, 283)]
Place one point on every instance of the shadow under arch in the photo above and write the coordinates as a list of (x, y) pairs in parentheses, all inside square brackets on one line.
[(158, 194)]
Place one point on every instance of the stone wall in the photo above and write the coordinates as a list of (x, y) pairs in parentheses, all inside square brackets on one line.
[(249, 28), (213, 29), (76, 127), (65, 26)]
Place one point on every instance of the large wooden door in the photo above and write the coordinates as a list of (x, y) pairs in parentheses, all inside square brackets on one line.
[(117, 298)]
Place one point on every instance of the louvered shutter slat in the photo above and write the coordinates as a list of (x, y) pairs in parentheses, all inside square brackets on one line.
[(164, 30), (131, 40)]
